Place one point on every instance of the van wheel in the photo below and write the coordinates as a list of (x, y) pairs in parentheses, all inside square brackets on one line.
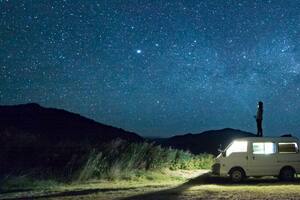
[(287, 174), (237, 175)]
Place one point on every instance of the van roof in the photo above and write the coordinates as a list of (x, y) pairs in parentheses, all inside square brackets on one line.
[(269, 139)]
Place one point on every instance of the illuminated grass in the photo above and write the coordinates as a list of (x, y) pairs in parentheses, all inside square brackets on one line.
[(170, 187), (123, 160), (103, 189)]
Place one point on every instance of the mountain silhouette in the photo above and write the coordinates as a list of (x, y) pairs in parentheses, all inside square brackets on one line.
[(35, 137), (51, 126), (205, 142), (38, 139), (32, 124)]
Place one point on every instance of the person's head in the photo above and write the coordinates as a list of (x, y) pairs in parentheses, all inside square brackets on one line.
[(260, 104)]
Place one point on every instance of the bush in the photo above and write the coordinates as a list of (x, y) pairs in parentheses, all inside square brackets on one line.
[(118, 159), (121, 159)]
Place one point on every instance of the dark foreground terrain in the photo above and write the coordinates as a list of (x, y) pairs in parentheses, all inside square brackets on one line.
[(90, 160), (203, 186)]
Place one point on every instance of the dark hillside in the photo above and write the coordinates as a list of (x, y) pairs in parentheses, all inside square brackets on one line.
[(206, 142), (48, 139), (55, 125)]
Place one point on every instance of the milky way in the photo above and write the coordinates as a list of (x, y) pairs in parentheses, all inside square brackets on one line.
[(158, 68)]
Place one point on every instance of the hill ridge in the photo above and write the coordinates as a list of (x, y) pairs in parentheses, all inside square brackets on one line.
[(204, 142), (55, 125), (60, 123)]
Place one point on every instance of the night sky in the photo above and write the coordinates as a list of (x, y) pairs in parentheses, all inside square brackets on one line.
[(158, 68)]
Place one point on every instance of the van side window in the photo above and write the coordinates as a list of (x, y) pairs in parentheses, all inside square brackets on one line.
[(288, 147), (263, 147)]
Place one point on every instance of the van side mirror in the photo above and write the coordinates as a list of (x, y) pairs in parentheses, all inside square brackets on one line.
[(222, 152)]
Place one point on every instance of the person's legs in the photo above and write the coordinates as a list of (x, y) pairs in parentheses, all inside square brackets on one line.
[(259, 128), (257, 125)]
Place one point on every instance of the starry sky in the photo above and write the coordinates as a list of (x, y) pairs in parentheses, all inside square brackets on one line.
[(156, 67)]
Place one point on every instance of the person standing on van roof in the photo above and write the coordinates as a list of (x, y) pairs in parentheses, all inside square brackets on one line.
[(259, 118)]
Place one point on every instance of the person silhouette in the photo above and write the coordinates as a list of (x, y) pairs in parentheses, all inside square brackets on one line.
[(259, 118)]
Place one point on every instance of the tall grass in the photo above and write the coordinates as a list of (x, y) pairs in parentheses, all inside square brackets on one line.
[(118, 159), (121, 159)]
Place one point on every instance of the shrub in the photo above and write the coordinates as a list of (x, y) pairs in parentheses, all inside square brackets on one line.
[(123, 159)]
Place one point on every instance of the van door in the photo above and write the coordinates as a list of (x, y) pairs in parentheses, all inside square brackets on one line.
[(236, 156), (237, 159), (262, 159)]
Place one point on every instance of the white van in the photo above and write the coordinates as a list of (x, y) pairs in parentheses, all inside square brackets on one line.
[(259, 156)]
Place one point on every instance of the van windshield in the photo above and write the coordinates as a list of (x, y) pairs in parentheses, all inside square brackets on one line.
[(237, 146)]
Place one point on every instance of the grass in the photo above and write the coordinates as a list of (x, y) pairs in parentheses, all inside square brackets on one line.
[(26, 182), (123, 160), (110, 189), (169, 186), (118, 160), (122, 170)]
